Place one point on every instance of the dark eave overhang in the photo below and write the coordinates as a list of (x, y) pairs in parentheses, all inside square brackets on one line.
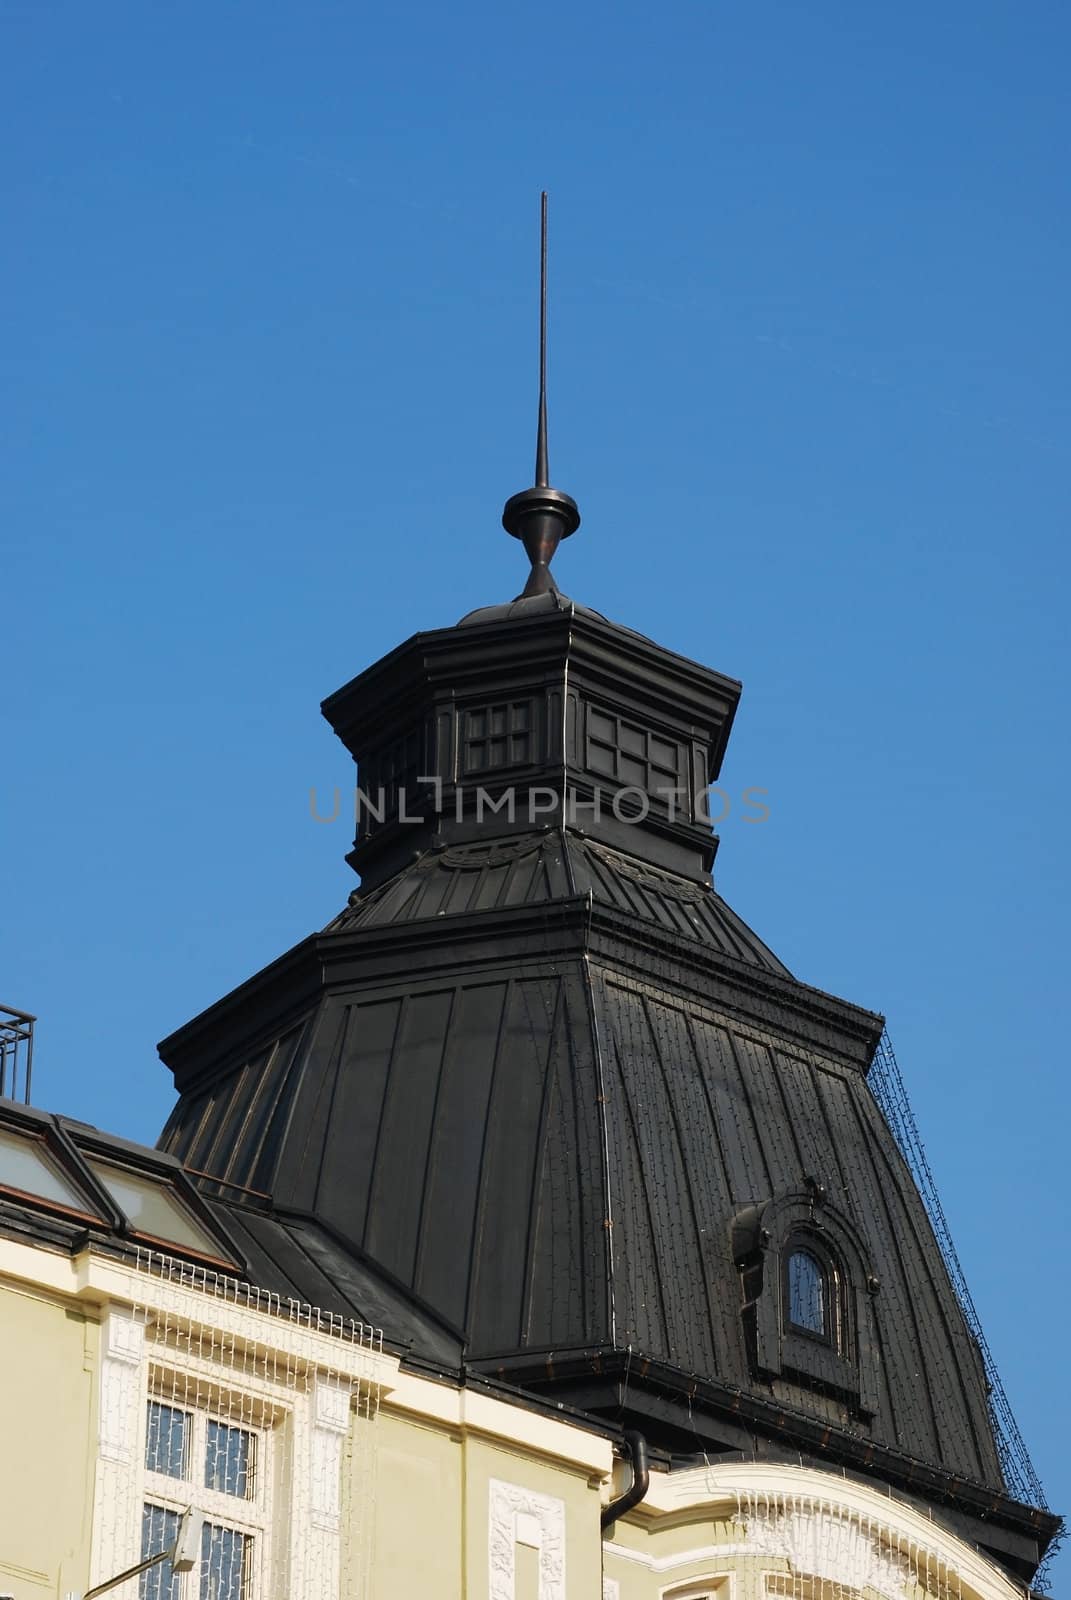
[(606, 1379), (282, 993)]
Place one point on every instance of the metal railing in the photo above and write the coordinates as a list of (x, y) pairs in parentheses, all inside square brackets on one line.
[(16, 1052)]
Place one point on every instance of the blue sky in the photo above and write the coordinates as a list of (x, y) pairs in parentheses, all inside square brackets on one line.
[(269, 300)]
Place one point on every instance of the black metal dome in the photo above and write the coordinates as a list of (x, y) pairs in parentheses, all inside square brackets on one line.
[(540, 1076)]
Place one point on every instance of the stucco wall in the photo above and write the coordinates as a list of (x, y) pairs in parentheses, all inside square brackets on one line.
[(48, 1357), (467, 1517), (418, 1545)]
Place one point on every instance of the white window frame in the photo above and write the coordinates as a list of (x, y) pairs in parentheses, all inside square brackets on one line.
[(251, 1516), (301, 1412)]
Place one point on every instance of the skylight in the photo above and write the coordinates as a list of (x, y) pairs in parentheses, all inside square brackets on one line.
[(152, 1207), (25, 1166)]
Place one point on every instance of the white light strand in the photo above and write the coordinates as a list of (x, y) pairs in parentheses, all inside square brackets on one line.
[(256, 1411), (831, 1552)]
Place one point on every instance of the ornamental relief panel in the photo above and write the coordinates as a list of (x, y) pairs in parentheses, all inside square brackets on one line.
[(520, 1516)]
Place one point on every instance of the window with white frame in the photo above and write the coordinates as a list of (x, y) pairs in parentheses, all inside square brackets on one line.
[(210, 1456), (218, 1405)]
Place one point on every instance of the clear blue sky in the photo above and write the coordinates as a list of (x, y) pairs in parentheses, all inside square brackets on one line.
[(269, 301)]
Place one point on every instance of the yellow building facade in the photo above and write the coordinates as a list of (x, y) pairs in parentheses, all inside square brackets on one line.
[(363, 1479)]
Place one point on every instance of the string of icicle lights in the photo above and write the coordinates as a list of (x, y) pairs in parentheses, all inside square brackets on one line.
[(258, 1412), (761, 1109)]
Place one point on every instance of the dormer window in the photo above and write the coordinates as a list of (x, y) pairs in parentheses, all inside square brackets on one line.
[(808, 1299), (808, 1291)]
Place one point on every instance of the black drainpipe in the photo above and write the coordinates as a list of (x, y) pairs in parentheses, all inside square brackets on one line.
[(641, 1478)]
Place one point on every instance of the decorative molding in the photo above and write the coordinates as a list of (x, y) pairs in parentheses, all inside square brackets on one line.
[(825, 1030), (330, 1423), (827, 1542), (122, 1348), (472, 856), (682, 1558), (816, 1541), (611, 1589), (120, 1442), (474, 1414), (332, 1404), (520, 1515), (653, 878), (752, 1492), (124, 1337)]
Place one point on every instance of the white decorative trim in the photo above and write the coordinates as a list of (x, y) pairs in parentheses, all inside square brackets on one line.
[(332, 1404), (124, 1336), (101, 1281), (122, 1346), (611, 1589), (120, 1442), (473, 1414), (330, 1419), (730, 1487), (680, 1558), (823, 1543), (520, 1515)]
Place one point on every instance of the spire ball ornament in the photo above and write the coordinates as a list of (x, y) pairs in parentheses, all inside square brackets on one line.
[(541, 517)]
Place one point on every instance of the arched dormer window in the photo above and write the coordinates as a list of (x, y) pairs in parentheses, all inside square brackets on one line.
[(808, 1296)]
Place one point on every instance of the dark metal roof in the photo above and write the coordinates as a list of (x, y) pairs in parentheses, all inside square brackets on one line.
[(553, 865), (475, 1132), (291, 1256), (299, 1259), (558, 1094)]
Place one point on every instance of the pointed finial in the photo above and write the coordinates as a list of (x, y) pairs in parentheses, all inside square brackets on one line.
[(541, 517), (542, 472)]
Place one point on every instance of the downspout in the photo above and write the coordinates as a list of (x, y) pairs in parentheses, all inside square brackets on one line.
[(636, 1445)]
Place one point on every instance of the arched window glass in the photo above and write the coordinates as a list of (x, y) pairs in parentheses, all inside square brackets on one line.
[(807, 1293)]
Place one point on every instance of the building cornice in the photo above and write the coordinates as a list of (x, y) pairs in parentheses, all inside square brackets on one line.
[(280, 995), (641, 1376), (95, 1282)]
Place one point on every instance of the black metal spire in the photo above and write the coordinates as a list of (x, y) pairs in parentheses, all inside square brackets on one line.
[(541, 517), (542, 471)]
